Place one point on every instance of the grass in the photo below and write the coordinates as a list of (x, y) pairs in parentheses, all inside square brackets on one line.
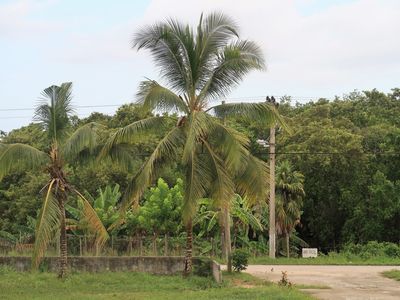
[(333, 259), (312, 287), (129, 285), (393, 274)]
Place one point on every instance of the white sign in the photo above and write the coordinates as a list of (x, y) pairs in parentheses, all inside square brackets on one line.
[(309, 252)]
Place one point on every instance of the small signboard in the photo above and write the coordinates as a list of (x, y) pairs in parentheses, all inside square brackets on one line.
[(309, 252)]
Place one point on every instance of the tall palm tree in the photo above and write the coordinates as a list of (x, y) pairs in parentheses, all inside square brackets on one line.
[(289, 200), (198, 66), (53, 114)]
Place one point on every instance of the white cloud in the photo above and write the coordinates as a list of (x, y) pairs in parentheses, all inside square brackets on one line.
[(336, 49), (15, 21)]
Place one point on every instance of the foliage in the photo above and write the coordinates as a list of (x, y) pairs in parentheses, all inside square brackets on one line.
[(372, 249), (346, 150), (161, 210), (240, 260)]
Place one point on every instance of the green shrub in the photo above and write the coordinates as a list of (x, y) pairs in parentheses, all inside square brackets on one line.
[(202, 267), (240, 260), (392, 250), (372, 249)]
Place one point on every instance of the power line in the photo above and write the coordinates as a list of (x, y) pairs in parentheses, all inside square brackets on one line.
[(256, 98), (79, 106)]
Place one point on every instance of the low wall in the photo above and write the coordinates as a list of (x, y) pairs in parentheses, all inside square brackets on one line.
[(166, 265)]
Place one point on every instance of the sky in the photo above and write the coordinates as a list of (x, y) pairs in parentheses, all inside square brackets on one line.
[(313, 48)]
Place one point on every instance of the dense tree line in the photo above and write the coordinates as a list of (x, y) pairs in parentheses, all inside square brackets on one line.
[(347, 151)]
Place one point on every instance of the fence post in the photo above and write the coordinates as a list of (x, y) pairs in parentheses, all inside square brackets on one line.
[(166, 244), (80, 246)]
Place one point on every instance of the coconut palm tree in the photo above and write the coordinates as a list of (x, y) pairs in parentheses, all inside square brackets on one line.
[(289, 200), (53, 114), (198, 66)]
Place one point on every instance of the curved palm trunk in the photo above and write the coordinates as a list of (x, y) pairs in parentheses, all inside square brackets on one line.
[(63, 237), (287, 245), (228, 242), (189, 248)]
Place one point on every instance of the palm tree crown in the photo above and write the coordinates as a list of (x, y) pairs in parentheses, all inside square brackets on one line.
[(198, 66), (53, 114)]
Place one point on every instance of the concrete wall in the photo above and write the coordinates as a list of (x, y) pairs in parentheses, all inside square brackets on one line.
[(166, 265)]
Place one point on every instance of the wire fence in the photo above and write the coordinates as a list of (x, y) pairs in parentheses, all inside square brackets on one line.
[(139, 245)]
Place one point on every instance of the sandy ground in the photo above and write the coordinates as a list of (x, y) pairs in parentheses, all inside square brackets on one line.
[(345, 282)]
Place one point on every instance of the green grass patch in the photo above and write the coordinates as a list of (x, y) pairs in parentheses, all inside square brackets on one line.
[(331, 259), (130, 285), (393, 274), (312, 287)]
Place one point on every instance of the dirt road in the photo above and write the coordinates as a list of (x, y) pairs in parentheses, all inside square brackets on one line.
[(345, 282)]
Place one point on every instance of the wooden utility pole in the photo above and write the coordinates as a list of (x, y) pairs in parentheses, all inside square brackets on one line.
[(227, 245), (272, 230)]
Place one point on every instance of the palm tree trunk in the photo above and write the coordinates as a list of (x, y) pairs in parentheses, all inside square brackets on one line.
[(189, 248), (63, 238), (223, 248), (287, 245), (227, 234)]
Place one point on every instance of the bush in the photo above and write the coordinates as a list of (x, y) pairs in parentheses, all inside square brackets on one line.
[(372, 249), (240, 260), (202, 267)]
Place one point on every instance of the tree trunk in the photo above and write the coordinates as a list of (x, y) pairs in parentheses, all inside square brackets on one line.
[(227, 234), (223, 248), (287, 245), (63, 238), (155, 252), (166, 244), (140, 241), (189, 248)]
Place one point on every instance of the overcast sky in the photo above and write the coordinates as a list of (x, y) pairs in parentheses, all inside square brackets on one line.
[(313, 48)]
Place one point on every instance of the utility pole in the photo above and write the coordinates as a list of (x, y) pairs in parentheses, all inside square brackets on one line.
[(272, 229), (227, 245)]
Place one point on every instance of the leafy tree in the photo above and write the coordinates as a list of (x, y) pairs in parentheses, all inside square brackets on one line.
[(198, 66), (53, 115), (161, 210), (377, 217), (289, 200)]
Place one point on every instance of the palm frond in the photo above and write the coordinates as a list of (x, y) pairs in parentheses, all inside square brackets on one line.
[(166, 150), (20, 157), (231, 145), (93, 222), (84, 138), (262, 112), (214, 32), (153, 96), (198, 124), (222, 186), (199, 177), (47, 225), (54, 110), (168, 51), (132, 133), (253, 181), (233, 63)]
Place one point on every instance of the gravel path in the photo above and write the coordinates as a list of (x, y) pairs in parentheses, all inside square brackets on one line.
[(345, 282)]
